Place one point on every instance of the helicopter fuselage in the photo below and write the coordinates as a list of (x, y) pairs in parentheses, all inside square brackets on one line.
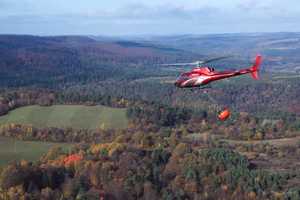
[(202, 76)]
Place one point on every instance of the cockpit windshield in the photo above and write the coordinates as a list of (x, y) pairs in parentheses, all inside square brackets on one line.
[(211, 69)]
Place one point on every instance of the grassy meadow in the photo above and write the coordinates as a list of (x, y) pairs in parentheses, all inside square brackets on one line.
[(15, 150), (64, 116)]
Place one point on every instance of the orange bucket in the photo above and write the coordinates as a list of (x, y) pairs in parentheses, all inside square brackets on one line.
[(224, 115)]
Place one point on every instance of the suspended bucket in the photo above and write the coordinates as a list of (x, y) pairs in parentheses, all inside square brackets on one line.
[(224, 115)]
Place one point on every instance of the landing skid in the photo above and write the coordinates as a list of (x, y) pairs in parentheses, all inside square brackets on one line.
[(200, 88)]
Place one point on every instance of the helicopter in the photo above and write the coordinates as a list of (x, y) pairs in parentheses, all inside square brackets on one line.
[(203, 75)]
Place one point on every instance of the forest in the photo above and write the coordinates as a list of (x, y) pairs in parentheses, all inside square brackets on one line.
[(174, 146)]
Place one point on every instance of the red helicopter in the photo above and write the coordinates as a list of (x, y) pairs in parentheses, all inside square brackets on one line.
[(203, 75)]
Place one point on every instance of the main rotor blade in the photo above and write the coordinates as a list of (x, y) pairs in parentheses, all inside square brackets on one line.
[(197, 63), (215, 59), (178, 64)]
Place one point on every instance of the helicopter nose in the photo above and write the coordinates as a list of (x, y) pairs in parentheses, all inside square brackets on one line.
[(177, 84)]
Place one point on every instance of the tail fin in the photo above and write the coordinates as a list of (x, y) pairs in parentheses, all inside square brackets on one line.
[(255, 67)]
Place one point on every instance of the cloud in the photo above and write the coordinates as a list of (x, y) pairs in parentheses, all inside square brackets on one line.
[(247, 5), (137, 12), (134, 16)]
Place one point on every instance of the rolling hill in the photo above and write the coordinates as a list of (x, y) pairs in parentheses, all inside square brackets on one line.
[(28, 60), (280, 50)]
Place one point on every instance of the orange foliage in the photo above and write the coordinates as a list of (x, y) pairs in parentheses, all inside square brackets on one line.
[(72, 159), (109, 147)]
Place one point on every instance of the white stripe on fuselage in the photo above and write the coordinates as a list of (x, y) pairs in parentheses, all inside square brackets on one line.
[(200, 79), (188, 81), (196, 81)]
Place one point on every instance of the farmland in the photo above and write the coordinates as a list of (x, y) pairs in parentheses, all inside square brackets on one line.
[(65, 116), (15, 150)]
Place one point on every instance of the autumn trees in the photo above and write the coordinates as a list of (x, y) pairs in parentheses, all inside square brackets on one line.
[(117, 170), (158, 114), (10, 100)]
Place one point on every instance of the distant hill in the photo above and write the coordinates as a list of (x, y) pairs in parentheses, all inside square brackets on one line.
[(20, 49), (50, 61), (25, 59), (280, 50)]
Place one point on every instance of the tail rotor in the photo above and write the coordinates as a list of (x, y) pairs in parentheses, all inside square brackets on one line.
[(255, 68)]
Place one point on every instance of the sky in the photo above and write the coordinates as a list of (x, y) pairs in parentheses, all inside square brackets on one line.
[(147, 17)]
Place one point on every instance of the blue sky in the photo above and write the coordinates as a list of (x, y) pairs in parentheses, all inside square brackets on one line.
[(147, 17)]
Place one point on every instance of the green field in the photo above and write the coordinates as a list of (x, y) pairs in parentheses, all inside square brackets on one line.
[(15, 150), (64, 116)]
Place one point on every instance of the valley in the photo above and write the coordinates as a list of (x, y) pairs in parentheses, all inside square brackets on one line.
[(126, 132)]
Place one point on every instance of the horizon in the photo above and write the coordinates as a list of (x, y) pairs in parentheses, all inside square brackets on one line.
[(153, 35)]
